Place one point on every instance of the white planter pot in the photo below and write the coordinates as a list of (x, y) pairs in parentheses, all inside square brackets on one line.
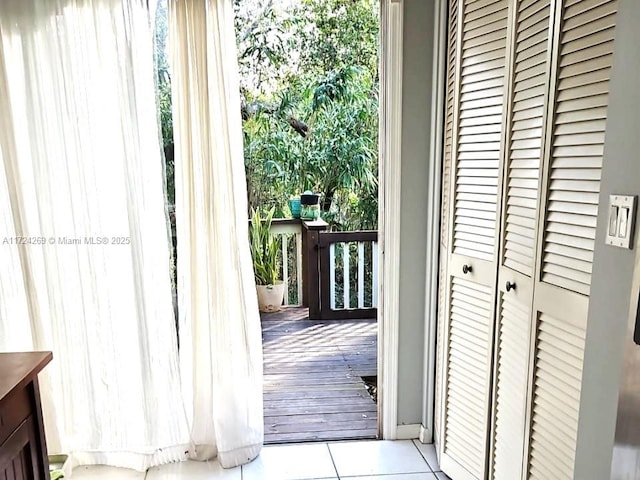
[(270, 296)]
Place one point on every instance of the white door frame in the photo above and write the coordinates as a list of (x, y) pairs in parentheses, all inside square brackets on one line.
[(434, 189), (390, 140), (390, 143)]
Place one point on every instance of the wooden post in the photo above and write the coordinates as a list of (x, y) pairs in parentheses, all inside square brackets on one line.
[(311, 265)]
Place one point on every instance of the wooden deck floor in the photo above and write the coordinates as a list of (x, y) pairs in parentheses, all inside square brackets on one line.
[(313, 389)]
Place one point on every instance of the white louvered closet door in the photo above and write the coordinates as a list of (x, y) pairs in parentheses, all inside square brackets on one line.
[(473, 236), (526, 137), (529, 77), (584, 34)]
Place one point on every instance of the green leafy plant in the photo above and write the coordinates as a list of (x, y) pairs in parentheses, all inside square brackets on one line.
[(264, 248), (310, 105)]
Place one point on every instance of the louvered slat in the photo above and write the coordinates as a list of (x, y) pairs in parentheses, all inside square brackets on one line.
[(531, 69), (556, 399), (511, 389), (479, 127), (452, 42), (586, 51), (468, 375)]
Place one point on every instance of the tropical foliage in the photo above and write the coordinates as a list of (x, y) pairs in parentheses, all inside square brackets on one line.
[(163, 85), (309, 81), (309, 86)]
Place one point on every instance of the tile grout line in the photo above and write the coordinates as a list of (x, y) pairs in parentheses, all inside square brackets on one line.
[(333, 462), (423, 457)]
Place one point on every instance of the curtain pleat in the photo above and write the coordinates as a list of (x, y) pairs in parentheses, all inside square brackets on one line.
[(220, 336)]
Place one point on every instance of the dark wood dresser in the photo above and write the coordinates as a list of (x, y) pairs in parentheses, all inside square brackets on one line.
[(23, 449)]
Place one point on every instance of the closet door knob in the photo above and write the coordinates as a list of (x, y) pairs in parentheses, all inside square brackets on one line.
[(511, 286), (466, 269)]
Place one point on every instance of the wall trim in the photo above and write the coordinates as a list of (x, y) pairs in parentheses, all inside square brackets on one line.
[(408, 432), (434, 187), (426, 435), (390, 187)]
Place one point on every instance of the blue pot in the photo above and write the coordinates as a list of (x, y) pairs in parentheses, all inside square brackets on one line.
[(295, 207)]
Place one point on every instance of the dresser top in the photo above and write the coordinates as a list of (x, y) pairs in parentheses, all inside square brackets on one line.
[(17, 369)]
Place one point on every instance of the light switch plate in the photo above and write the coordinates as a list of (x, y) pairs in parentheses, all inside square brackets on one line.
[(621, 224)]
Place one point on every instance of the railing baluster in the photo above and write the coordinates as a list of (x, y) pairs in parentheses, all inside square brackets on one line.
[(360, 274), (332, 275), (345, 277), (374, 276), (299, 267), (285, 268)]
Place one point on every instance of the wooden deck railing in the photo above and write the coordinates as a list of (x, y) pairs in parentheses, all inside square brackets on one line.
[(349, 290), (335, 274)]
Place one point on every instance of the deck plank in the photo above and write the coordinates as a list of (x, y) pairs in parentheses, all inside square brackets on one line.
[(313, 390)]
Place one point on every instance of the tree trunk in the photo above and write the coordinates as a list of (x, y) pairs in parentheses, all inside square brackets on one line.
[(327, 200)]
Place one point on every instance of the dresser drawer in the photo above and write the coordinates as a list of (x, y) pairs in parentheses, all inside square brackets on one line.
[(14, 408), (18, 455)]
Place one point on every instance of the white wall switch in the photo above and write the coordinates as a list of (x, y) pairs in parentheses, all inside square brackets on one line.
[(623, 217), (613, 221), (622, 213)]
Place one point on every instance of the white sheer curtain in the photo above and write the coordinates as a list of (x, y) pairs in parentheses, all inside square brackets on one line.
[(80, 162), (220, 338)]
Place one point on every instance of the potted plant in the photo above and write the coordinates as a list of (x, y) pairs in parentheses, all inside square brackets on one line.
[(266, 266)]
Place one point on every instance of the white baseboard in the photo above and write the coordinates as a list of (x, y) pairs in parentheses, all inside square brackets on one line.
[(408, 432), (426, 435)]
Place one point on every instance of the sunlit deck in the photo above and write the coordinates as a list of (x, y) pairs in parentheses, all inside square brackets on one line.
[(313, 369)]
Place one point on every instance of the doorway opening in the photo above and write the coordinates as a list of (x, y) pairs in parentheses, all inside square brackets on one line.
[(331, 268), (309, 76)]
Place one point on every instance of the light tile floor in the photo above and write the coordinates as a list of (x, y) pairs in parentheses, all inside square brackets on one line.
[(363, 460)]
